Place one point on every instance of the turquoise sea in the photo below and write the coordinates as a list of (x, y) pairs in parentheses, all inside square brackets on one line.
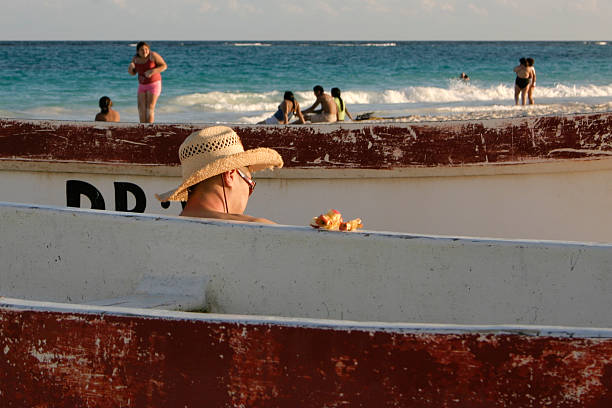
[(243, 81)]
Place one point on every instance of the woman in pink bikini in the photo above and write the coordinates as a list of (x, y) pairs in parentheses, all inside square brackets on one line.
[(148, 65)]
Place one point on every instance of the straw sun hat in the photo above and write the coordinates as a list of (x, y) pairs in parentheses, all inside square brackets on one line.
[(215, 150)]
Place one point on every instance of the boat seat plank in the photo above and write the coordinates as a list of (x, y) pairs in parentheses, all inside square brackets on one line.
[(163, 292)]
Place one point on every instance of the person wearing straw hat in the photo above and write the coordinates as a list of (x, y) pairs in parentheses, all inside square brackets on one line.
[(217, 171)]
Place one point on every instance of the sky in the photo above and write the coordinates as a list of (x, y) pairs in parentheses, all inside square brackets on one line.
[(377, 20)]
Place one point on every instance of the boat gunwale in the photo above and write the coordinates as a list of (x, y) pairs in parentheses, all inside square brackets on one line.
[(21, 305), (364, 233), (549, 166), (412, 148)]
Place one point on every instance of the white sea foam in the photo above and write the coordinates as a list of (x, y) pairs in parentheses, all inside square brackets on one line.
[(441, 114), (429, 95), (458, 101), (460, 94), (166, 112), (253, 119), (228, 101), (7, 113), (256, 44), (50, 110), (402, 113), (388, 44), (455, 93), (470, 93)]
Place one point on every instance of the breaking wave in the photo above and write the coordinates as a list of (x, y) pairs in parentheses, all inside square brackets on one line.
[(369, 44), (458, 101), (255, 44), (455, 93)]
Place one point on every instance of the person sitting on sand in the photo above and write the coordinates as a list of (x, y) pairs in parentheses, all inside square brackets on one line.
[(106, 114), (340, 105), (530, 63), (217, 171), (328, 111), (288, 107), (524, 74)]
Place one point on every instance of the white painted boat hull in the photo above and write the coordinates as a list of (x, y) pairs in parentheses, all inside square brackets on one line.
[(365, 313)]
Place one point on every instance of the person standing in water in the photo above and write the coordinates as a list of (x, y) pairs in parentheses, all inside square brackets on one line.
[(524, 74), (148, 65), (530, 62), (342, 110), (106, 114)]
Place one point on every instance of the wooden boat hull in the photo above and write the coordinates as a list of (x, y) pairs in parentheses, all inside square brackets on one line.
[(535, 178), (478, 312), (68, 356), (82, 256), (311, 318)]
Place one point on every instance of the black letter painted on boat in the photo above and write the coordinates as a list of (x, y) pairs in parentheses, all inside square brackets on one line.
[(121, 198), (166, 204), (74, 189)]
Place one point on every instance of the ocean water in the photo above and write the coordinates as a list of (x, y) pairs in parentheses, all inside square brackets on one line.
[(243, 82)]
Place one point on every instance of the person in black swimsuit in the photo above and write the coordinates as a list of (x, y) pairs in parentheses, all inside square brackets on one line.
[(523, 79), (530, 63), (288, 107)]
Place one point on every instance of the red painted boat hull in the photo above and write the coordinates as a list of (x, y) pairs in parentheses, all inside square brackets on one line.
[(527, 178), (69, 358), (365, 146)]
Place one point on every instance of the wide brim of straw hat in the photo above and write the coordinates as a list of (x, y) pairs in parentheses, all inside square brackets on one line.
[(255, 159)]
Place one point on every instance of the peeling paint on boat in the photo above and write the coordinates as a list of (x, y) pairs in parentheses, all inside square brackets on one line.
[(184, 360), (374, 146), (510, 178)]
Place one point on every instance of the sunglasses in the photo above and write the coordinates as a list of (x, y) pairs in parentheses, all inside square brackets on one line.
[(249, 181)]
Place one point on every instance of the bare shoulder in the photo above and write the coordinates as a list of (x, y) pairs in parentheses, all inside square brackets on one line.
[(156, 57), (262, 220), (203, 213), (248, 218)]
